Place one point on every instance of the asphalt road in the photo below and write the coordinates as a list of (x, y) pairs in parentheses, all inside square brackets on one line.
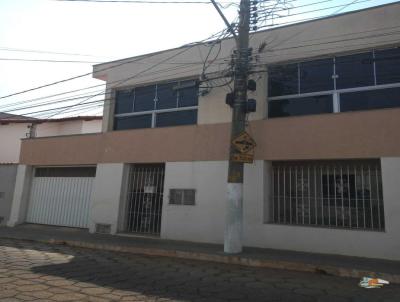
[(33, 271)]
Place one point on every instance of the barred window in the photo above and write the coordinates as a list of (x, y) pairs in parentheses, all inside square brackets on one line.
[(342, 194)]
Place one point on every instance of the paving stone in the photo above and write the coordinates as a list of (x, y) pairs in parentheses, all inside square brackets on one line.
[(69, 297), (31, 288), (26, 269), (41, 294), (7, 293), (95, 291), (25, 298)]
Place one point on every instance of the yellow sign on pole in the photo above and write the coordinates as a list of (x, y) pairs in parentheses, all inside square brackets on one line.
[(244, 145)]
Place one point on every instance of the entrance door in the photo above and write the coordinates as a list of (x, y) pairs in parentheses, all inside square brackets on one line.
[(145, 195)]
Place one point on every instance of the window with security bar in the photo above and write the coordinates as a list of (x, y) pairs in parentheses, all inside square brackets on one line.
[(342, 194)]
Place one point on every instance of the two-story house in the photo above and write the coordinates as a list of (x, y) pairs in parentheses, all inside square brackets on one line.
[(326, 175)]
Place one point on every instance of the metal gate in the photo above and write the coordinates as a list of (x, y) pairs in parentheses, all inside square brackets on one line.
[(145, 195), (61, 196)]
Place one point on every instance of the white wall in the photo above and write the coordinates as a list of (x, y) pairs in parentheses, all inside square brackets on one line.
[(8, 175), (67, 127), (203, 222), (19, 205), (10, 136), (107, 196), (384, 245), (92, 126)]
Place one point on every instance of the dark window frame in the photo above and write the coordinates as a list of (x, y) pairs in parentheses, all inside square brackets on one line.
[(189, 104), (373, 83)]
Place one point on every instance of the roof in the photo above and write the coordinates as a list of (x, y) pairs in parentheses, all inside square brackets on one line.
[(25, 119), (4, 115)]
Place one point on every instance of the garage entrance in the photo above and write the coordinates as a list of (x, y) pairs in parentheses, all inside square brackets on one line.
[(61, 196)]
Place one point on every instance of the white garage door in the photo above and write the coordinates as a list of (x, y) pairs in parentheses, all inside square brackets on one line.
[(61, 196)]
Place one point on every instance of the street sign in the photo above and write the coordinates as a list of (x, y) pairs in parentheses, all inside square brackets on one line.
[(247, 158), (244, 143)]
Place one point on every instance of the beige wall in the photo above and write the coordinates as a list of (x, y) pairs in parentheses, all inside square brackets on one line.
[(361, 134), (345, 33), (213, 109)]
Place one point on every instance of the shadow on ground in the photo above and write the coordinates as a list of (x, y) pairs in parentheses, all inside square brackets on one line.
[(117, 276)]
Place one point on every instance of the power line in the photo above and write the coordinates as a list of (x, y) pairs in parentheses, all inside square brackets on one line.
[(43, 52), (318, 10), (129, 62), (103, 69), (139, 73), (48, 60), (141, 1)]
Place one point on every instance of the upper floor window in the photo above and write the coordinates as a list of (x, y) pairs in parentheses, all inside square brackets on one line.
[(160, 105), (358, 81)]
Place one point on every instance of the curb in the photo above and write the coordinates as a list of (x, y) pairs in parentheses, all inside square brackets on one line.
[(227, 259)]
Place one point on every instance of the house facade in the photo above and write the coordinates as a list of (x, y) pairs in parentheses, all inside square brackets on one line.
[(13, 128), (326, 174)]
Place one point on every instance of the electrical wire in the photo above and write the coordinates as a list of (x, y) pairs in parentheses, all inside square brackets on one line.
[(43, 52), (215, 58), (48, 60), (143, 1), (135, 59)]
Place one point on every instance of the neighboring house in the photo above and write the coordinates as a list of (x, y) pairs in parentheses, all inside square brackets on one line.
[(326, 176), (13, 128)]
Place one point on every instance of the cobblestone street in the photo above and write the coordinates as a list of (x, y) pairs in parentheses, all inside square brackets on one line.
[(32, 271)]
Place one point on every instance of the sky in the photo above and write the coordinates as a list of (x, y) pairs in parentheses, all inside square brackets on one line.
[(92, 32)]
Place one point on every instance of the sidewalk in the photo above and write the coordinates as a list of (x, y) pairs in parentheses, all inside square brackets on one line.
[(343, 266)]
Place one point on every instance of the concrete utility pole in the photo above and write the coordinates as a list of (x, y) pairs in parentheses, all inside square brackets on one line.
[(234, 209)]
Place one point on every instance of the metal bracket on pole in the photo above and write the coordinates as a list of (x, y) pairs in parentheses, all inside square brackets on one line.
[(224, 18)]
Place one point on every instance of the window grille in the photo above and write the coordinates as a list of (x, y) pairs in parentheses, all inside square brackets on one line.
[(342, 194)]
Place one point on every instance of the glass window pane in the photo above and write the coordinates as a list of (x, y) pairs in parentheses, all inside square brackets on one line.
[(166, 96), (188, 96), (123, 101), (132, 122), (387, 64), (372, 99), (176, 118), (283, 80), (300, 106), (316, 75), (355, 70), (144, 98)]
